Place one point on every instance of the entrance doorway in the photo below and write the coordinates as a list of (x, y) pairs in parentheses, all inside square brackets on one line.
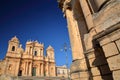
[(34, 71), (20, 73)]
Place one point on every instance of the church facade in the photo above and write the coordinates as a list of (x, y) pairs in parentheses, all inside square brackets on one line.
[(28, 62), (94, 31)]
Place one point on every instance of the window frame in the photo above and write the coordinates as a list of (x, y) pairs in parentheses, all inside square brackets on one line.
[(13, 48)]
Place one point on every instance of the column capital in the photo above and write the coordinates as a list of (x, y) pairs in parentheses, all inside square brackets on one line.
[(64, 4), (67, 5)]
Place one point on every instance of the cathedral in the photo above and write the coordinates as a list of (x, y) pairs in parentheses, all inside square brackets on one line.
[(28, 62)]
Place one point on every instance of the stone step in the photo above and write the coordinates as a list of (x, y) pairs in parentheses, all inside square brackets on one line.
[(39, 78)]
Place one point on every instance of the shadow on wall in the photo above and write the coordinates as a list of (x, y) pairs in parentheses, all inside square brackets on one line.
[(101, 63)]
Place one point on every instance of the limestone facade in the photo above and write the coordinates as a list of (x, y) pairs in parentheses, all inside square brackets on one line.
[(28, 62), (94, 31), (62, 71)]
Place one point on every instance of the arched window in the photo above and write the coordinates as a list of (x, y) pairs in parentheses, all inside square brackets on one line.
[(13, 48), (35, 53), (10, 67)]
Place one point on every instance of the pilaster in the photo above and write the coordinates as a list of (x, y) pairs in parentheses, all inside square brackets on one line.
[(87, 13)]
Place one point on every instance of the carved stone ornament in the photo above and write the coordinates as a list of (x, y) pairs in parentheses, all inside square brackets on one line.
[(66, 5)]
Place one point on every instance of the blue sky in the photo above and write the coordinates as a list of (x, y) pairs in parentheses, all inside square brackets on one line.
[(40, 20)]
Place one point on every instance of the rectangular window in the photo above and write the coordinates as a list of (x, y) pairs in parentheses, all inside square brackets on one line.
[(58, 71)]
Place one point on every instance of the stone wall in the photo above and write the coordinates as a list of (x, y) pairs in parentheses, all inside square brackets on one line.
[(111, 47), (6, 77), (94, 30)]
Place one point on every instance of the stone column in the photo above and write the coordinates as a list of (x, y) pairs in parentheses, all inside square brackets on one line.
[(39, 70), (79, 62), (77, 49), (42, 71), (79, 68), (46, 69), (91, 51), (30, 69), (26, 68), (87, 13)]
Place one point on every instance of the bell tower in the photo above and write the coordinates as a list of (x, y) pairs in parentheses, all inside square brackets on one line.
[(13, 57), (50, 53), (13, 45), (51, 61)]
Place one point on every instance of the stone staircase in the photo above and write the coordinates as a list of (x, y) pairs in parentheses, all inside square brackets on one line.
[(38, 78)]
